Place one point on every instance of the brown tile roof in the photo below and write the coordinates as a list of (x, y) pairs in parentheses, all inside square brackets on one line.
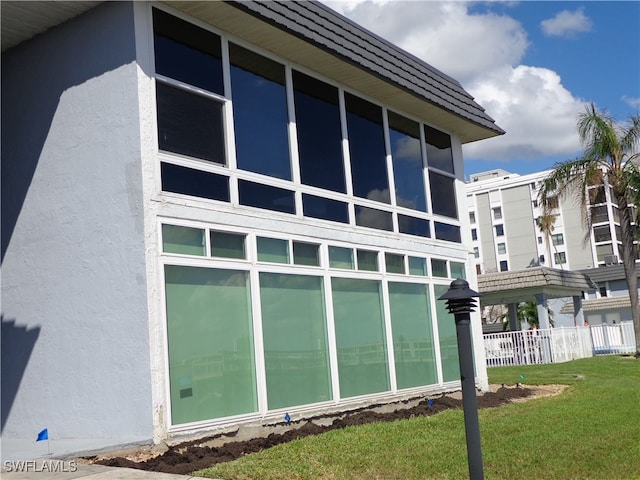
[(597, 304), (532, 278)]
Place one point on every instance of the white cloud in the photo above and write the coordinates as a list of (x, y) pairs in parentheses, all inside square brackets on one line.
[(538, 113), (483, 52), (632, 102), (566, 23)]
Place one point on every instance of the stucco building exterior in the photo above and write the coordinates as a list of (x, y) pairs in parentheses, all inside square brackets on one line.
[(216, 213)]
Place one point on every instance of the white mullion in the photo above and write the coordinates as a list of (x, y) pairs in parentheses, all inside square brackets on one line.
[(386, 307), (390, 173), (425, 175), (331, 338), (165, 342), (229, 126), (436, 333), (256, 315), (294, 159), (346, 157)]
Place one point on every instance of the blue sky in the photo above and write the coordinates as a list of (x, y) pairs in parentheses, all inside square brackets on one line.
[(532, 65)]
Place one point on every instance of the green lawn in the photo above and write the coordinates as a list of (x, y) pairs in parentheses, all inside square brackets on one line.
[(591, 431)]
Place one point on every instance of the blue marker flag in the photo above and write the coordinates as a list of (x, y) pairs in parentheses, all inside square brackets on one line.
[(43, 435)]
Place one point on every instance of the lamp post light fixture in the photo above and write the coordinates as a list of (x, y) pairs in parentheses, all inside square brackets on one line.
[(460, 303)]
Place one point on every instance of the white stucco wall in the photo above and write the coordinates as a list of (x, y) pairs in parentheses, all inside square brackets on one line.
[(75, 335)]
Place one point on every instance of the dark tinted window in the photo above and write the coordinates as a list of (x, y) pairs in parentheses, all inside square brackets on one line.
[(447, 232), (366, 149), (319, 133), (259, 113), (189, 124), (324, 208), (408, 175), (372, 218), (188, 181), (265, 196), (439, 153), (443, 195), (187, 53), (414, 226)]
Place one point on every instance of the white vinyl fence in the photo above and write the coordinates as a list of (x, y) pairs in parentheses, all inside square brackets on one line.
[(556, 345)]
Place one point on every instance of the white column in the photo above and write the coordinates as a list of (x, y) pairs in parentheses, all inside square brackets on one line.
[(513, 317), (578, 312), (543, 314)]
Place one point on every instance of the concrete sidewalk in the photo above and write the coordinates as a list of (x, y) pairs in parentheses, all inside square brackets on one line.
[(66, 470)]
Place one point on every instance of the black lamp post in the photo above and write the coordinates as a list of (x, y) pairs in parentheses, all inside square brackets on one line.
[(460, 303)]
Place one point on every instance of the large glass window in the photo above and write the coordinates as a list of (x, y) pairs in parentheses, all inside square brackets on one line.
[(319, 133), (189, 124), (265, 196), (360, 337), (557, 239), (187, 181), (457, 270), (439, 152), (295, 340), (273, 250), (325, 208), (305, 254), (448, 338), (602, 233), (341, 257), (192, 103), (259, 113), (210, 335), (367, 260), (367, 150), (227, 245), (187, 53), (599, 214), (414, 226), (184, 240), (417, 266), (443, 195), (449, 233), (412, 337), (404, 137), (394, 263), (373, 218)]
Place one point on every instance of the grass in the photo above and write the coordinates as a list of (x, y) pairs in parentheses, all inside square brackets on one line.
[(591, 431)]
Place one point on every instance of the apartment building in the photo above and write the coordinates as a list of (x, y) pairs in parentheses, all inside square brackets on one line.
[(506, 235)]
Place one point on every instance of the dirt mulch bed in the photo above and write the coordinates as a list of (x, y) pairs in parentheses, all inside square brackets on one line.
[(188, 457)]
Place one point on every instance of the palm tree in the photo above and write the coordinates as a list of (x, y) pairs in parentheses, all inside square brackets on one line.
[(546, 225), (610, 159)]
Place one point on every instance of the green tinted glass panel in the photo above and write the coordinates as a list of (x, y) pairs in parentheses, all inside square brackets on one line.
[(367, 260), (448, 338), (185, 240), (340, 257), (394, 263), (273, 250), (360, 337), (412, 335), (417, 266), (228, 245), (295, 340), (305, 254), (439, 268), (210, 334), (457, 270)]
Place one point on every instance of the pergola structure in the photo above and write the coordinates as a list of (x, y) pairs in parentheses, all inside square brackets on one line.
[(534, 284)]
